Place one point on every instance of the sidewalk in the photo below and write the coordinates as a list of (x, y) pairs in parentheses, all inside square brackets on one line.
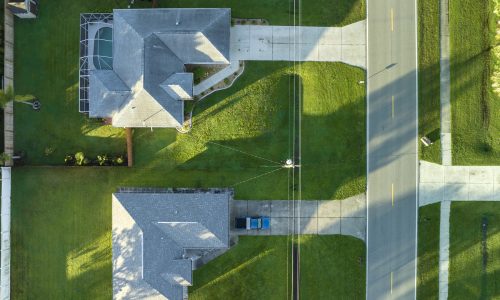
[(8, 68), (445, 85), (300, 43), (323, 217)]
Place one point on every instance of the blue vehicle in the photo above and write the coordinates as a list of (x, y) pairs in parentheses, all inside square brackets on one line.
[(253, 223)]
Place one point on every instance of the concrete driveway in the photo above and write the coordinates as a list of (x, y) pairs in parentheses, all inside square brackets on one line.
[(324, 217), (467, 183), (300, 43)]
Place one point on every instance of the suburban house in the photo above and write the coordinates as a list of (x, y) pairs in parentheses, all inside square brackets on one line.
[(133, 62), (26, 9), (158, 238)]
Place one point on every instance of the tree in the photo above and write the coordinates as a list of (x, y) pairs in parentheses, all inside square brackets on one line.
[(8, 95)]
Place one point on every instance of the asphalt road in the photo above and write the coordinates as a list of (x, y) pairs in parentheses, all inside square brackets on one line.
[(392, 149)]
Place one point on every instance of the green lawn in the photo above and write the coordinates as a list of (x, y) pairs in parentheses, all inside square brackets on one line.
[(475, 109), (468, 278), (61, 245), (428, 78), (255, 267), (231, 128), (332, 267), (61, 216), (281, 12), (428, 252)]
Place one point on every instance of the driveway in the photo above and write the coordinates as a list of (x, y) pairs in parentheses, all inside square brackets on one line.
[(324, 217), (467, 183), (300, 43)]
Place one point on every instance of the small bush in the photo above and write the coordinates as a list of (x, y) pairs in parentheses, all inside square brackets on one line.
[(118, 160), (69, 160), (103, 160), (79, 158)]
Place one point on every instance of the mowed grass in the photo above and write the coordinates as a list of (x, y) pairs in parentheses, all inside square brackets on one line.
[(50, 70), (244, 132), (61, 245), (473, 275), (475, 109), (258, 266), (428, 79), (239, 134), (428, 252), (282, 12), (332, 267)]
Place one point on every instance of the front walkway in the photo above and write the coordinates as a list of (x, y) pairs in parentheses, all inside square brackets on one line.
[(324, 217), (300, 43)]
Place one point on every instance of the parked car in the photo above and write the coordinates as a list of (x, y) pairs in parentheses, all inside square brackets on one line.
[(252, 223)]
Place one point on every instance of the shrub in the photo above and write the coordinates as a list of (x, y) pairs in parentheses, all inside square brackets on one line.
[(69, 160), (118, 160), (102, 160), (79, 158), (4, 157)]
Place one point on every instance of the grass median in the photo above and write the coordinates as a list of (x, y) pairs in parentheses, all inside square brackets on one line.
[(428, 79), (428, 252)]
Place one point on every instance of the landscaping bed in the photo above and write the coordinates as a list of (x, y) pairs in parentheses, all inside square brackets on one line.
[(428, 252), (474, 250), (475, 107)]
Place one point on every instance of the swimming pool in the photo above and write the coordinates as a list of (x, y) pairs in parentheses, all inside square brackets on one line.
[(103, 48)]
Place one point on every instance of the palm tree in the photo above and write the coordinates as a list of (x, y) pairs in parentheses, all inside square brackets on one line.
[(8, 95)]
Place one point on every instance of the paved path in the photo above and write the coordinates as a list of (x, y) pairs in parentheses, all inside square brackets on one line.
[(286, 43), (445, 85), (392, 149), (444, 249), (347, 217), (8, 70), (5, 234), (465, 183), (216, 78)]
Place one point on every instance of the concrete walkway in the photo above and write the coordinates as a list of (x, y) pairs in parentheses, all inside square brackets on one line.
[(444, 249), (324, 217), (465, 183), (445, 85), (8, 71), (287, 43)]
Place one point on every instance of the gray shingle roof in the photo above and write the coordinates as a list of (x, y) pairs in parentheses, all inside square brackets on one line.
[(150, 50), (150, 233)]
